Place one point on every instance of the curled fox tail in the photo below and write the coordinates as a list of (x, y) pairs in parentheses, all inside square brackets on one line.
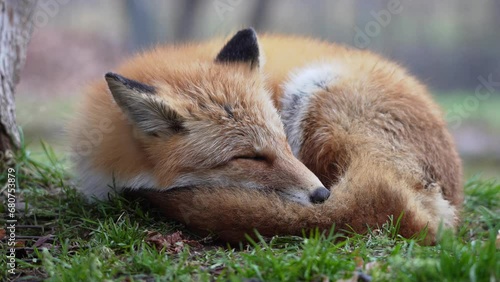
[(233, 212)]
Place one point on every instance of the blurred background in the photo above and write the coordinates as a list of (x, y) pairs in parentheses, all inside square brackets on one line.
[(451, 45)]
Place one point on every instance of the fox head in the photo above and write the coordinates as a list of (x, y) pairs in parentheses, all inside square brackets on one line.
[(213, 124)]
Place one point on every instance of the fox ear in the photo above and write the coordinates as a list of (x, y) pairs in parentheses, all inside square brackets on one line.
[(243, 47), (139, 102)]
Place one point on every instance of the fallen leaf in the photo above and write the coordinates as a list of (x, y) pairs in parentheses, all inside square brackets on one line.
[(42, 241), (172, 243), (217, 270), (359, 262), (20, 244), (2, 234)]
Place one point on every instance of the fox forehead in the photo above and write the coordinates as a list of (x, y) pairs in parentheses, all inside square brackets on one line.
[(220, 103), (218, 93)]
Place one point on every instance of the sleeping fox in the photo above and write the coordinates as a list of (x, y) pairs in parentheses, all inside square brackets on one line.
[(226, 143)]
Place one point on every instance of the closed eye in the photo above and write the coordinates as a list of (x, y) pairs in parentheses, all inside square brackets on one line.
[(257, 158)]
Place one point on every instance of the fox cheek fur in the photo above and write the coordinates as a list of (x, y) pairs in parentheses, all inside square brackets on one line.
[(183, 118)]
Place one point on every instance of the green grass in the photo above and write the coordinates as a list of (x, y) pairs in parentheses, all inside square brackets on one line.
[(109, 241)]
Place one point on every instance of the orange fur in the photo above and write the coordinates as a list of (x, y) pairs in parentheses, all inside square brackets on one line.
[(370, 132)]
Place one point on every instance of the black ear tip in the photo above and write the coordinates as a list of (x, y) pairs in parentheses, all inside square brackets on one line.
[(242, 47), (247, 32), (114, 79), (113, 76), (110, 75)]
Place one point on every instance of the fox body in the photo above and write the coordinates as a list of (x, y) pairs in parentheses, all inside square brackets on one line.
[(213, 152)]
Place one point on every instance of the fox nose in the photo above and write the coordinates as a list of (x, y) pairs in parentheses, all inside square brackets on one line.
[(319, 195)]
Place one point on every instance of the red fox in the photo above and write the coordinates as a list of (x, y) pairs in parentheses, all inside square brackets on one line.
[(175, 118), (214, 137)]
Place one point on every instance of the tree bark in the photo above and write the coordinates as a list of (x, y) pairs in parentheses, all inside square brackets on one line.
[(16, 25)]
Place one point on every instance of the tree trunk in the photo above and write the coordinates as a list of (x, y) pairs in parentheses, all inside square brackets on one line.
[(16, 25)]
